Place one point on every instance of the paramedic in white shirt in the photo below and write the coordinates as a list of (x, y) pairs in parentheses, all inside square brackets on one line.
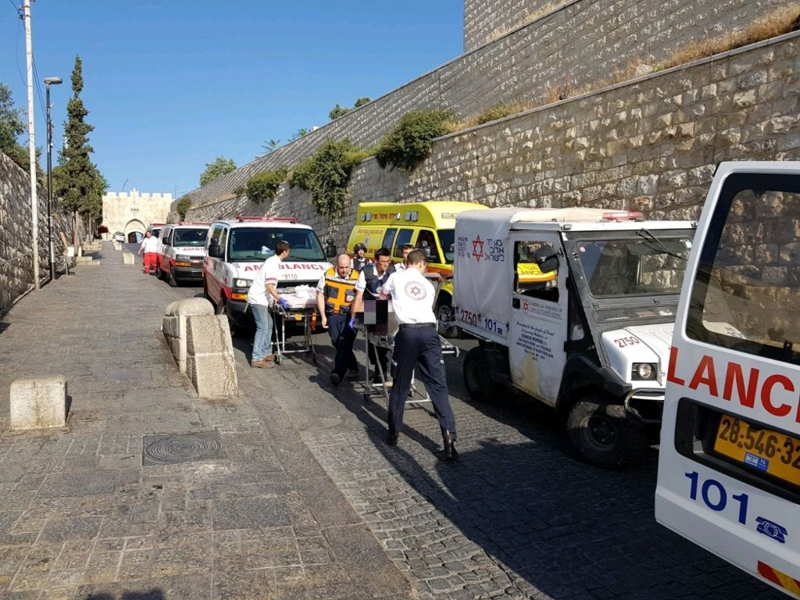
[(417, 347), (263, 293), (148, 250)]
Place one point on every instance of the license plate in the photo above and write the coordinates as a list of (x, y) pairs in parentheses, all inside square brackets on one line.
[(763, 449)]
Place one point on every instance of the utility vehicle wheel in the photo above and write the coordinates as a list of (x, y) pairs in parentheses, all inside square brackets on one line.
[(476, 375), (445, 319), (602, 435)]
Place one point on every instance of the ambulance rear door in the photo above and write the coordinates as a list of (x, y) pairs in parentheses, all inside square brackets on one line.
[(538, 327)]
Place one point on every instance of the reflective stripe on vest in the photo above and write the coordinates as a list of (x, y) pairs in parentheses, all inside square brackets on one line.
[(339, 293)]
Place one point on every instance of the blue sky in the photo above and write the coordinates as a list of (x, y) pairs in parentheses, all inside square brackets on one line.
[(171, 85)]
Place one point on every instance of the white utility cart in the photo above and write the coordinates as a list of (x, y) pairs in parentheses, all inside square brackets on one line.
[(574, 307)]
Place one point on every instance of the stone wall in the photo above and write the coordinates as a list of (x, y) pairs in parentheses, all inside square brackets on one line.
[(581, 43), (16, 264), (134, 211), (650, 144), (485, 19)]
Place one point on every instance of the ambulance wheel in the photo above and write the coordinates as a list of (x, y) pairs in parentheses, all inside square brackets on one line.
[(476, 375), (159, 273), (602, 435), (171, 281), (445, 318)]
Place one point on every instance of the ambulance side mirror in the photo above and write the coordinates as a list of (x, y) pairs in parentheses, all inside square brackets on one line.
[(214, 249), (546, 258), (330, 249)]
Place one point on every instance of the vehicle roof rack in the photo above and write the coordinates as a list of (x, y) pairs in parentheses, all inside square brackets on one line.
[(242, 219), (191, 223)]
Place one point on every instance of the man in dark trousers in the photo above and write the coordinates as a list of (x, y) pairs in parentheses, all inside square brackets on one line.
[(416, 346), (336, 293), (371, 279)]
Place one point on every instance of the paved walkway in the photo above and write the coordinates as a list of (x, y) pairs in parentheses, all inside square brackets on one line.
[(515, 518), (80, 517)]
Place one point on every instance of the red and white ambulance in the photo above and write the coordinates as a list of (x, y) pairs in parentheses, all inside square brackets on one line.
[(729, 465), (236, 250)]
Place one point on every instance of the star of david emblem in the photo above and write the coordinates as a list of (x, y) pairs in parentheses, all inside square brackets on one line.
[(415, 291), (477, 248)]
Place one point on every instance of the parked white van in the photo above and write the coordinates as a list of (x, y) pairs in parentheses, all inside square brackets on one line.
[(183, 248), (729, 465), (575, 308), (237, 249)]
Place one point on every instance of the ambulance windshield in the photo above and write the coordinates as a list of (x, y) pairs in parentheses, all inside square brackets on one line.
[(644, 264), (190, 237), (252, 244)]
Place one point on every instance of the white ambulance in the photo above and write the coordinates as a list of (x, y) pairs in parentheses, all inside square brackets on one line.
[(575, 308), (182, 249), (729, 464), (236, 251)]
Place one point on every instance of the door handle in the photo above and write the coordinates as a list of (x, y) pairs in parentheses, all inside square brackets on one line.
[(515, 303)]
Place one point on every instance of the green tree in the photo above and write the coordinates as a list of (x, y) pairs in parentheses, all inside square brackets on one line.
[(338, 111), (77, 182), (270, 145), (361, 102), (300, 133), (182, 206), (411, 141), (221, 166), (11, 123)]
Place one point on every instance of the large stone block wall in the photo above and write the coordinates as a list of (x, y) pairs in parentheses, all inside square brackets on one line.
[(581, 43), (651, 145), (16, 263), (484, 19)]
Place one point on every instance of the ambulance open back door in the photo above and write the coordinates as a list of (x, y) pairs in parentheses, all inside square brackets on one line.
[(729, 465)]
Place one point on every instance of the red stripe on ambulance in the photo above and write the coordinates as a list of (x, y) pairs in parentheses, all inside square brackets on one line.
[(736, 384)]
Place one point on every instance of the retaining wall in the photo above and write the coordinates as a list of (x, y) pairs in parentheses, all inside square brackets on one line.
[(16, 263), (582, 42), (650, 144)]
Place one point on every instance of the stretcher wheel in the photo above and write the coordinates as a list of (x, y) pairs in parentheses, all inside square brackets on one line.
[(278, 359)]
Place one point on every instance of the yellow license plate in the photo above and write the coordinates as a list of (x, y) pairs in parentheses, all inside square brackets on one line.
[(764, 449)]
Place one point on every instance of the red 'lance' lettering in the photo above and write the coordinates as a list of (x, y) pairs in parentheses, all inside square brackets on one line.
[(745, 391)]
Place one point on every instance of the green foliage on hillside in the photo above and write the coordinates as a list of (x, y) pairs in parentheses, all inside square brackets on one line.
[(326, 175), (410, 142), (264, 186)]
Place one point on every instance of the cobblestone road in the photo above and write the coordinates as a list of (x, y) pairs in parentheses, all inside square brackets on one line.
[(515, 518), (80, 517)]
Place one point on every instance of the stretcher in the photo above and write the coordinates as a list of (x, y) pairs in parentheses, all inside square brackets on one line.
[(382, 336), (302, 311)]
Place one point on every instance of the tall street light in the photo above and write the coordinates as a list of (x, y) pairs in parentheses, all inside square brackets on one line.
[(48, 81)]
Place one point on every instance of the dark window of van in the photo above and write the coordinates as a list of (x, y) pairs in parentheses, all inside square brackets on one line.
[(403, 238), (388, 237)]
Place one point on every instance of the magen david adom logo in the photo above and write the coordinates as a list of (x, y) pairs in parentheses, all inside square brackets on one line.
[(415, 290)]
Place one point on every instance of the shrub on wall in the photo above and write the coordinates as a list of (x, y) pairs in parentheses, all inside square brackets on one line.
[(182, 207), (410, 142), (264, 186), (326, 175)]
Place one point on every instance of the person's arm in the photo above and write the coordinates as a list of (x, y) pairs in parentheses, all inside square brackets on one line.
[(272, 290), (357, 305)]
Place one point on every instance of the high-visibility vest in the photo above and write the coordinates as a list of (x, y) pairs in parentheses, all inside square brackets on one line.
[(339, 293)]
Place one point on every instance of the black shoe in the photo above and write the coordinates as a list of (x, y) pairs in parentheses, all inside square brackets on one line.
[(335, 378), (449, 453)]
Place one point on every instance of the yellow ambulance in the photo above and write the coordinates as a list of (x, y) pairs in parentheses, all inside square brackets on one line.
[(429, 226)]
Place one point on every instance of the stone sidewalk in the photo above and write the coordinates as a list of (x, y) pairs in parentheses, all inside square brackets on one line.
[(81, 517)]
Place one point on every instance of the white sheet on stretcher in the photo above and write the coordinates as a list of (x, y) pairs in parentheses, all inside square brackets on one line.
[(302, 298)]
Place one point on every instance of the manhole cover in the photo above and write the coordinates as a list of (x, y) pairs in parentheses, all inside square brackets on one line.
[(171, 449)]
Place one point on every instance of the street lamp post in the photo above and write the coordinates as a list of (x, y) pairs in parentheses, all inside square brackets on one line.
[(48, 81)]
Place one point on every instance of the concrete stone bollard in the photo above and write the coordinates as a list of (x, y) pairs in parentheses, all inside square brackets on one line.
[(209, 356), (201, 343), (128, 258), (38, 403), (117, 246), (173, 325)]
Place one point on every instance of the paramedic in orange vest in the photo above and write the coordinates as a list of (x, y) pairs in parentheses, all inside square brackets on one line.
[(336, 293)]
